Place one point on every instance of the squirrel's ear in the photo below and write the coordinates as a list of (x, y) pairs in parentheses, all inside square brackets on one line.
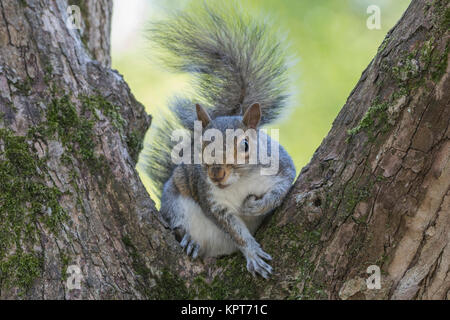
[(252, 116), (202, 115)]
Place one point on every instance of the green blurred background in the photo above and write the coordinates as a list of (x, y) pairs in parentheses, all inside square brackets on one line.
[(329, 39)]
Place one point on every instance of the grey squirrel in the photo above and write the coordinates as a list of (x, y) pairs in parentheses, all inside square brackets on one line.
[(239, 69)]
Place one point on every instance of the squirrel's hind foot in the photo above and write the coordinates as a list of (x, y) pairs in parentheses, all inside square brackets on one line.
[(192, 248)]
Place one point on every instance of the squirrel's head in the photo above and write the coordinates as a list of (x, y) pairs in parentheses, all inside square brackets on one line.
[(229, 145)]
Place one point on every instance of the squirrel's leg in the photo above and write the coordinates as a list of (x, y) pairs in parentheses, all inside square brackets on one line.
[(243, 239), (176, 210)]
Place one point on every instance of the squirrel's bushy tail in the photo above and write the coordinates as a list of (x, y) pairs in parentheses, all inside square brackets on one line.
[(155, 158), (235, 61)]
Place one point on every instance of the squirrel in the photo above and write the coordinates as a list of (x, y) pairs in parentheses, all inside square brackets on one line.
[(239, 69)]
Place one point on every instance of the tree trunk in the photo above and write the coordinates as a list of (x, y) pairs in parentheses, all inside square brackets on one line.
[(376, 191), (70, 134)]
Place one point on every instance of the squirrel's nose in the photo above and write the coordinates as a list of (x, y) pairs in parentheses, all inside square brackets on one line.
[(217, 173)]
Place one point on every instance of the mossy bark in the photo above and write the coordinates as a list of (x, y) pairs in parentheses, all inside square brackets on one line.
[(376, 191), (70, 132)]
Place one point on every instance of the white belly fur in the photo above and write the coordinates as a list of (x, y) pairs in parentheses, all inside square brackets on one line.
[(212, 240)]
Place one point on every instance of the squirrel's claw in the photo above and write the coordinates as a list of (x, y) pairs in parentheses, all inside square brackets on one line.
[(184, 242), (190, 245), (259, 266), (256, 264), (253, 206), (195, 252), (265, 255)]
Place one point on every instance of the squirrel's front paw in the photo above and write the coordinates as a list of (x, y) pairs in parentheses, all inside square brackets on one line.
[(190, 246), (255, 262), (253, 205)]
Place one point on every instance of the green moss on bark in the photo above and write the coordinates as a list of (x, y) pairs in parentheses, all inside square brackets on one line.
[(170, 286), (374, 120), (234, 282), (112, 111), (135, 144), (26, 202)]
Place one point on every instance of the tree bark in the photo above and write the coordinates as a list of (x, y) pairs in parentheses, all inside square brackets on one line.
[(376, 191), (70, 194)]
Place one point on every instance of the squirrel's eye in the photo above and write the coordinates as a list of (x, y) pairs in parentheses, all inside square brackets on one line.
[(245, 143)]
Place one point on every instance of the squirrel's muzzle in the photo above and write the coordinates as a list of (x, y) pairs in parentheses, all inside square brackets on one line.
[(218, 173)]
